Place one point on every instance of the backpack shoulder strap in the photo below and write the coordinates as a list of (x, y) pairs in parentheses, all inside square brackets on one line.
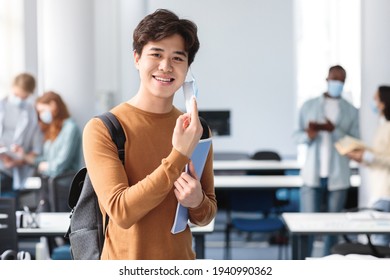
[(206, 128), (118, 137), (116, 131)]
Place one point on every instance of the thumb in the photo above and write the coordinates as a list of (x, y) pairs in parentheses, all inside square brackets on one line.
[(194, 109)]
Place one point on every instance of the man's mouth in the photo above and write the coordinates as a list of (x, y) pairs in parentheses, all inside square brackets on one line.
[(164, 80)]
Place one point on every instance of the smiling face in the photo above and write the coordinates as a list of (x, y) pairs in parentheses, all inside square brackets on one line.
[(162, 66)]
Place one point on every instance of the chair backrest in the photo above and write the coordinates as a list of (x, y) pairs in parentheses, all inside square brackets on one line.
[(266, 155), (8, 234), (255, 201), (59, 188)]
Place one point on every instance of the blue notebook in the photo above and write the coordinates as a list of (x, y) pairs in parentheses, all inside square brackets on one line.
[(198, 158)]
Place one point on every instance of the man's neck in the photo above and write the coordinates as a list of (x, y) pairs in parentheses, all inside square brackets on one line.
[(332, 97), (151, 104)]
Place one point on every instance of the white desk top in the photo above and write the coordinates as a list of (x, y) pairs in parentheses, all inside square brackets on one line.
[(341, 223), (205, 229), (58, 223), (255, 164), (245, 181), (259, 181), (262, 164), (3, 216)]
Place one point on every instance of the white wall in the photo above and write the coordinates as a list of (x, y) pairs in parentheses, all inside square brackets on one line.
[(375, 69)]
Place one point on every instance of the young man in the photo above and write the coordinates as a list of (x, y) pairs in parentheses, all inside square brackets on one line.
[(326, 174), (18, 127), (141, 197)]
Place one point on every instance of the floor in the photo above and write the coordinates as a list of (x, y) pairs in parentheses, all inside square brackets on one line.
[(253, 247)]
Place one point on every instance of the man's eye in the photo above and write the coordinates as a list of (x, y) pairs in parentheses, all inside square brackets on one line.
[(177, 58), (155, 54)]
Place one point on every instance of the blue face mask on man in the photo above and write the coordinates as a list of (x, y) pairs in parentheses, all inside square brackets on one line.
[(335, 88)]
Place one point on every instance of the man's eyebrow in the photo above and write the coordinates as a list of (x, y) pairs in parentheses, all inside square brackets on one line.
[(156, 49), (181, 53), (162, 50)]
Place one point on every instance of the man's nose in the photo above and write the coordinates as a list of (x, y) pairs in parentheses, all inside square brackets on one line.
[(165, 65)]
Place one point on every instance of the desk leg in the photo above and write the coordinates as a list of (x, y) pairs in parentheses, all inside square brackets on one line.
[(295, 247), (199, 246), (299, 247)]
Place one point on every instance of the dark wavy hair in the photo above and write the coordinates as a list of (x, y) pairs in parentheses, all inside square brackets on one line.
[(384, 97), (162, 24)]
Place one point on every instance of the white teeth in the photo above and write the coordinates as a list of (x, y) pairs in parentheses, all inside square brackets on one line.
[(162, 79)]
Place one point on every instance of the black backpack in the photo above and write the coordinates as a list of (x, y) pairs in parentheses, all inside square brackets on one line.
[(86, 231)]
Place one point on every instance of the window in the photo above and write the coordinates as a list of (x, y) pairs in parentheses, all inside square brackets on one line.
[(327, 33), (11, 42)]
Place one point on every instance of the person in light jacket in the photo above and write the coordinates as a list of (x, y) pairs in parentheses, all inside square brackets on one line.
[(377, 159), (326, 174), (18, 127)]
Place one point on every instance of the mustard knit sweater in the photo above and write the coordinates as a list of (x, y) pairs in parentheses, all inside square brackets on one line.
[(139, 197)]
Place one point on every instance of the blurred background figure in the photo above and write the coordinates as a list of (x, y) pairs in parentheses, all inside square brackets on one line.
[(18, 127), (377, 158), (323, 120), (62, 141)]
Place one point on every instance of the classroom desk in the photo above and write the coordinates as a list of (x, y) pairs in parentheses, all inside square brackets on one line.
[(302, 225), (245, 165), (56, 224), (199, 237), (259, 181), (256, 181), (250, 165)]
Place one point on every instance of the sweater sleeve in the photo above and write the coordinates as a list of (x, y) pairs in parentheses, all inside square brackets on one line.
[(125, 204)]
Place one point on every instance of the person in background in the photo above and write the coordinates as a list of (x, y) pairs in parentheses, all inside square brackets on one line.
[(326, 174), (62, 140), (18, 127), (378, 159), (141, 197)]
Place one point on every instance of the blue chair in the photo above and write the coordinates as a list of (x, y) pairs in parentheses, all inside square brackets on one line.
[(249, 202)]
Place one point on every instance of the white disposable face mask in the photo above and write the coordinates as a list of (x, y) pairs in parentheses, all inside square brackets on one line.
[(15, 100), (46, 117), (190, 89)]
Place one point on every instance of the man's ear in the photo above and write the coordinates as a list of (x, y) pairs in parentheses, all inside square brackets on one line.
[(136, 59)]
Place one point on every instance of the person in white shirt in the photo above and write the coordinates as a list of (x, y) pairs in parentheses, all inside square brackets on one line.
[(326, 174), (18, 127)]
